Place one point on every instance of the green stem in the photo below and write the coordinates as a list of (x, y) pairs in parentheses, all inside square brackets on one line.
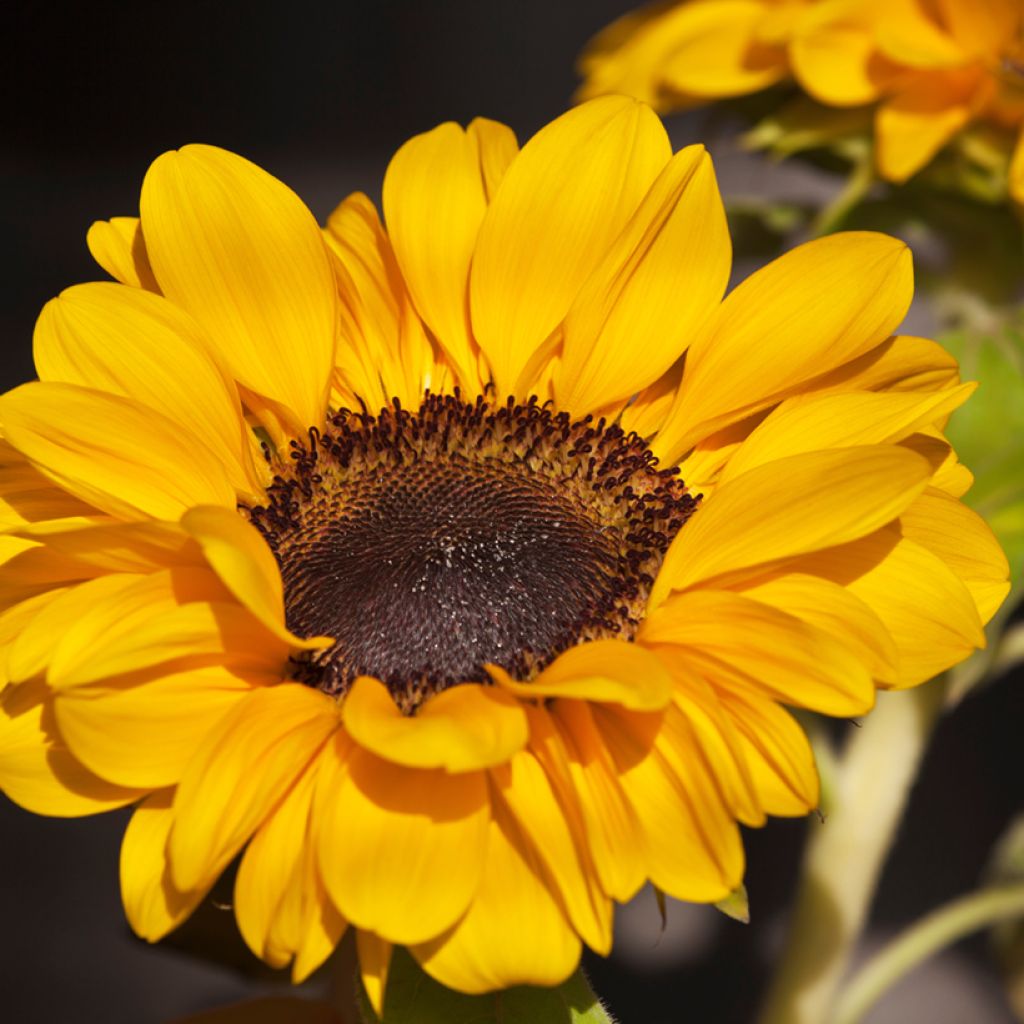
[(846, 852), (921, 940), (860, 180)]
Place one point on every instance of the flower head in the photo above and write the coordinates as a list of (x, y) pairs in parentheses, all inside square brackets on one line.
[(455, 575), (929, 69)]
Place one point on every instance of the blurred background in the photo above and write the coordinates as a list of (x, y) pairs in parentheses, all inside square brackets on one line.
[(321, 94)]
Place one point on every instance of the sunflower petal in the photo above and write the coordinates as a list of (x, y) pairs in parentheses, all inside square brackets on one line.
[(417, 858), (131, 343), (811, 310), (816, 422), (576, 752), (152, 904), (830, 497), (660, 280), (240, 252), (141, 732), (778, 754), (114, 453), (927, 609), (240, 770), (598, 670), (460, 729), (730, 636), (39, 773), (556, 836), (963, 540), (561, 204), (434, 202), (118, 247), (915, 123), (374, 963), (246, 566), (514, 932)]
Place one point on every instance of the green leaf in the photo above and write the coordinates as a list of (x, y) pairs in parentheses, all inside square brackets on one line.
[(736, 905), (803, 124), (414, 998)]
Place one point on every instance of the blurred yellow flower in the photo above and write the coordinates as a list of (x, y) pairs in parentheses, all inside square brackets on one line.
[(929, 67), (350, 553)]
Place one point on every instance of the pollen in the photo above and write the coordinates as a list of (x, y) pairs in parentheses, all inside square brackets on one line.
[(429, 544)]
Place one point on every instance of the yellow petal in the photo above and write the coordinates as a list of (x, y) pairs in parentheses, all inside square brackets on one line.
[(778, 755), (964, 541), (461, 729), (828, 606), (152, 904), (556, 833), (985, 27), (270, 867), (815, 422), (562, 202), (910, 33), (660, 280), (576, 754), (239, 251), (690, 843), (730, 636), (32, 649), (498, 148), (926, 608), (384, 351), (721, 54), (38, 772), (401, 849), (514, 932), (374, 962), (714, 737), (115, 547), (839, 64), (140, 346), (434, 201), (240, 557), (143, 733), (830, 497), (599, 670), (156, 619), (811, 310), (646, 413), (242, 767), (28, 569), (27, 496), (901, 363), (915, 123), (118, 247), (113, 452)]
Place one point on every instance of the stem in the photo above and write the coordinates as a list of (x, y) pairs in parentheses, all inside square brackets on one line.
[(860, 180), (922, 939), (845, 854)]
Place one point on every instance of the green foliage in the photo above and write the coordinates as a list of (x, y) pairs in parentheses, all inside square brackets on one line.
[(414, 998)]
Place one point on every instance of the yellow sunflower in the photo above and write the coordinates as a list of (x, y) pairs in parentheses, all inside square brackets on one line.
[(454, 576), (930, 68)]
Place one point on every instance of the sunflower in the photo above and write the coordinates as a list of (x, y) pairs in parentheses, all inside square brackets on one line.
[(928, 68), (451, 578)]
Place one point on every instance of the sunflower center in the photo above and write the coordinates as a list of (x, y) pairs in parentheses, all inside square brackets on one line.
[(429, 544)]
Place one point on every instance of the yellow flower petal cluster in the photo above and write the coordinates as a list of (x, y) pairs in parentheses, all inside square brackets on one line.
[(147, 639), (929, 68)]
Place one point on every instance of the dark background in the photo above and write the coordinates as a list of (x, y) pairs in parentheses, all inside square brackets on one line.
[(320, 94)]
